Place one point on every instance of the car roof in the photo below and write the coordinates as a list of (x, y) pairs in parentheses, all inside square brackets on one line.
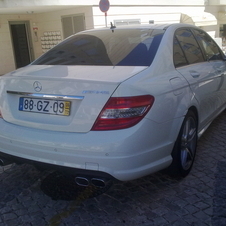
[(143, 26)]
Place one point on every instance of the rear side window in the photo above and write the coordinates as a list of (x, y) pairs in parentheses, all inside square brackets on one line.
[(209, 47), (128, 47), (178, 54), (189, 46)]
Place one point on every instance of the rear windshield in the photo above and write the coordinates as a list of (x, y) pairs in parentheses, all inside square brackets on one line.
[(128, 47)]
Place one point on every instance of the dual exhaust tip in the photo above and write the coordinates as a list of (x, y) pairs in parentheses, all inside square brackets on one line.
[(86, 181)]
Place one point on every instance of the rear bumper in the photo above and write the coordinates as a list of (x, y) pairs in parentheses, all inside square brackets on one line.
[(9, 159), (124, 154)]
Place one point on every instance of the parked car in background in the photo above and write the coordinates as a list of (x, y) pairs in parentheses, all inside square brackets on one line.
[(115, 102)]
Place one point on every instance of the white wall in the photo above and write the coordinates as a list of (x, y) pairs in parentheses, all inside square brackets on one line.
[(217, 2), (16, 3), (6, 54)]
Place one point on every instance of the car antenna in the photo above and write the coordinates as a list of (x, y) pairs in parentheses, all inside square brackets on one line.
[(112, 27)]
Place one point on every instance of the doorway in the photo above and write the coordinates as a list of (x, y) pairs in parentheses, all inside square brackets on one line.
[(21, 41)]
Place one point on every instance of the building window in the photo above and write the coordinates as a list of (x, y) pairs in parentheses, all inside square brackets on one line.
[(72, 24)]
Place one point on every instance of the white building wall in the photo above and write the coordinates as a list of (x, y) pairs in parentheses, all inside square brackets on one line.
[(6, 54), (16, 3)]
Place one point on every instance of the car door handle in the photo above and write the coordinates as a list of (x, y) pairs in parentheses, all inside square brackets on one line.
[(194, 74)]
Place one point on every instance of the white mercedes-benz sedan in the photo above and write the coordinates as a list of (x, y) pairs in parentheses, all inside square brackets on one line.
[(114, 102)]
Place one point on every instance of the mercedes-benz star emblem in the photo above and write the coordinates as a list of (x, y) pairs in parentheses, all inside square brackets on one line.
[(37, 86)]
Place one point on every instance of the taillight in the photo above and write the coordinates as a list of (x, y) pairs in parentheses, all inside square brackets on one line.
[(123, 112)]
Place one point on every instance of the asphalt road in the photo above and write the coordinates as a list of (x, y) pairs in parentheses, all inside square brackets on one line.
[(199, 199)]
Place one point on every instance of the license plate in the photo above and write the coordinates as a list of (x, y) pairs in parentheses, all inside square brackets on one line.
[(56, 107)]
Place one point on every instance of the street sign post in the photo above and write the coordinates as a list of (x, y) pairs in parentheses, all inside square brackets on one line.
[(104, 6)]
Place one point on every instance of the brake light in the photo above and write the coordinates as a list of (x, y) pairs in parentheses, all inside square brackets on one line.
[(123, 112)]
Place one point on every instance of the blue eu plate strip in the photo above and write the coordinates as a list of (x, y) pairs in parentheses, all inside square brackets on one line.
[(21, 104)]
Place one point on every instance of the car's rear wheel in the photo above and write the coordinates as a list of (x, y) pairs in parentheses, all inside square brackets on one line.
[(184, 150)]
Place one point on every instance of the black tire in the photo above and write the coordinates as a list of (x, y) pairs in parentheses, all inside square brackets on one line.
[(184, 150)]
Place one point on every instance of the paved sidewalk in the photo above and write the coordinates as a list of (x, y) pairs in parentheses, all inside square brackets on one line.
[(198, 200)]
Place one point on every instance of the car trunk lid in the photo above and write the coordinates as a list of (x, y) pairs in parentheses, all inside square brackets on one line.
[(60, 98)]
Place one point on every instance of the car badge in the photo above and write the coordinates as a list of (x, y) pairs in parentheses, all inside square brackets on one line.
[(37, 86)]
